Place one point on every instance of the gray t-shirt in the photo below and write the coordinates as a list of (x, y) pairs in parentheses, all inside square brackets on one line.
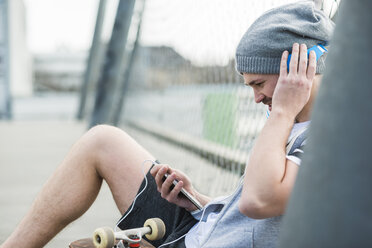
[(224, 226)]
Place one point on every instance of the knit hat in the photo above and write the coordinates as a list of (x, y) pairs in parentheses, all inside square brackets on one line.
[(261, 47)]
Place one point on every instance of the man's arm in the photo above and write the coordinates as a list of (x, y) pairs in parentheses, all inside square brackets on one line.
[(269, 176)]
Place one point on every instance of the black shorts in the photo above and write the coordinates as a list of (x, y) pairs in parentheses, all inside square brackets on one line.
[(178, 221)]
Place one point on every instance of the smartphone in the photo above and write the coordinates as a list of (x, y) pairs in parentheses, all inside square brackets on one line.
[(186, 194), (318, 49)]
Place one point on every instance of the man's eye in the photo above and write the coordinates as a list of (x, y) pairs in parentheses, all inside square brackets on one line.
[(259, 84)]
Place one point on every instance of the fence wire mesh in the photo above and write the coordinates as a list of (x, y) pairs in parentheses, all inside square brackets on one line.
[(184, 93)]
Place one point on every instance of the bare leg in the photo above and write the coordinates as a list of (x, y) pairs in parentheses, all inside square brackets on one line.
[(104, 152)]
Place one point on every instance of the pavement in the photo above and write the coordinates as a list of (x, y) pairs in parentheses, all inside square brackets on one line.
[(29, 152), (32, 145), (35, 142)]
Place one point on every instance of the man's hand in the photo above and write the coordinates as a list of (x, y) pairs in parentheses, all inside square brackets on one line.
[(293, 89), (164, 187)]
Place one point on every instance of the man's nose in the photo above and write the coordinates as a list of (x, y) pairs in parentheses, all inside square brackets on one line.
[(258, 97)]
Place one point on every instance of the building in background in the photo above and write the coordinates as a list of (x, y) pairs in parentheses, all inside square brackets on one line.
[(158, 67), (62, 70), (154, 67), (15, 58)]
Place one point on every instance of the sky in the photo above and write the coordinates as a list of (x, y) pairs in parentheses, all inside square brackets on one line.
[(204, 31), (67, 24)]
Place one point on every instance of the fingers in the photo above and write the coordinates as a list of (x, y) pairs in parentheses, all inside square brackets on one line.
[(158, 172), (293, 64), (173, 193), (311, 70), (155, 169), (165, 185), (283, 64), (300, 62), (302, 67), (293, 88)]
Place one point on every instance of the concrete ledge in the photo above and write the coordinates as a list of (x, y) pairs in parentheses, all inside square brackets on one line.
[(222, 156)]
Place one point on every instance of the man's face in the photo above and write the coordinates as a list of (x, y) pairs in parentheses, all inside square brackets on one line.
[(263, 86)]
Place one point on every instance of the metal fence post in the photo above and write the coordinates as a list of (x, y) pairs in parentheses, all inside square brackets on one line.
[(5, 94), (125, 82), (93, 61), (331, 204), (112, 70)]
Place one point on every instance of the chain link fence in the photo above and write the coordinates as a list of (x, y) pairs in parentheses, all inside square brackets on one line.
[(185, 93)]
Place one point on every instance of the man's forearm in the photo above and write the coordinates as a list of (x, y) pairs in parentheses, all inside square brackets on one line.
[(267, 163)]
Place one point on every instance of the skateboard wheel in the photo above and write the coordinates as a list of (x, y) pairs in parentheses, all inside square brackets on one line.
[(157, 228), (104, 237)]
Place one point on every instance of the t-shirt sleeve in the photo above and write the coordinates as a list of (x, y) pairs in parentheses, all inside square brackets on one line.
[(297, 149), (296, 155)]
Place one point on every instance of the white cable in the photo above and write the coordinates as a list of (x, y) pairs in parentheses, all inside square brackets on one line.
[(134, 201), (171, 242), (201, 218)]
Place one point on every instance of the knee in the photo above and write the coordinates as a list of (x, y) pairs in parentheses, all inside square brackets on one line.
[(109, 147), (106, 142), (101, 129), (102, 136)]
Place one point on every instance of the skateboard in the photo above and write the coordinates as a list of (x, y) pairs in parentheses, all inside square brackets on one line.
[(105, 237), (88, 243)]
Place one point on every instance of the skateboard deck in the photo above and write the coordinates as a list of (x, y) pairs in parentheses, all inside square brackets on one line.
[(88, 243)]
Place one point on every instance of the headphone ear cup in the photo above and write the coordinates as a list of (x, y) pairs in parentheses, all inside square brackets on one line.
[(318, 49)]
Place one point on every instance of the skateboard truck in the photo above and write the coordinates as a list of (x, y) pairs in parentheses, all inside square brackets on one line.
[(105, 237)]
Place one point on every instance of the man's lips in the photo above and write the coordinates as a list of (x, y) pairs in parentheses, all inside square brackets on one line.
[(268, 106)]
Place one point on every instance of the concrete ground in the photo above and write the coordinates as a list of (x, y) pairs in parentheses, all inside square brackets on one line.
[(29, 153), (34, 143)]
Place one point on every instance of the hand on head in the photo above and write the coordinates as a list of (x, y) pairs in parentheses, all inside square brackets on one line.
[(293, 88)]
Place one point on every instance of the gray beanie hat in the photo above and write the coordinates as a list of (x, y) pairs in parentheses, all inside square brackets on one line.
[(261, 47)]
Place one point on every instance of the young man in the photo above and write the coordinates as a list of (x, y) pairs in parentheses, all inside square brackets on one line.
[(107, 153)]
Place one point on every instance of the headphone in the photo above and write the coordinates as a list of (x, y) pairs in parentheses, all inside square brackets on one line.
[(318, 49)]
